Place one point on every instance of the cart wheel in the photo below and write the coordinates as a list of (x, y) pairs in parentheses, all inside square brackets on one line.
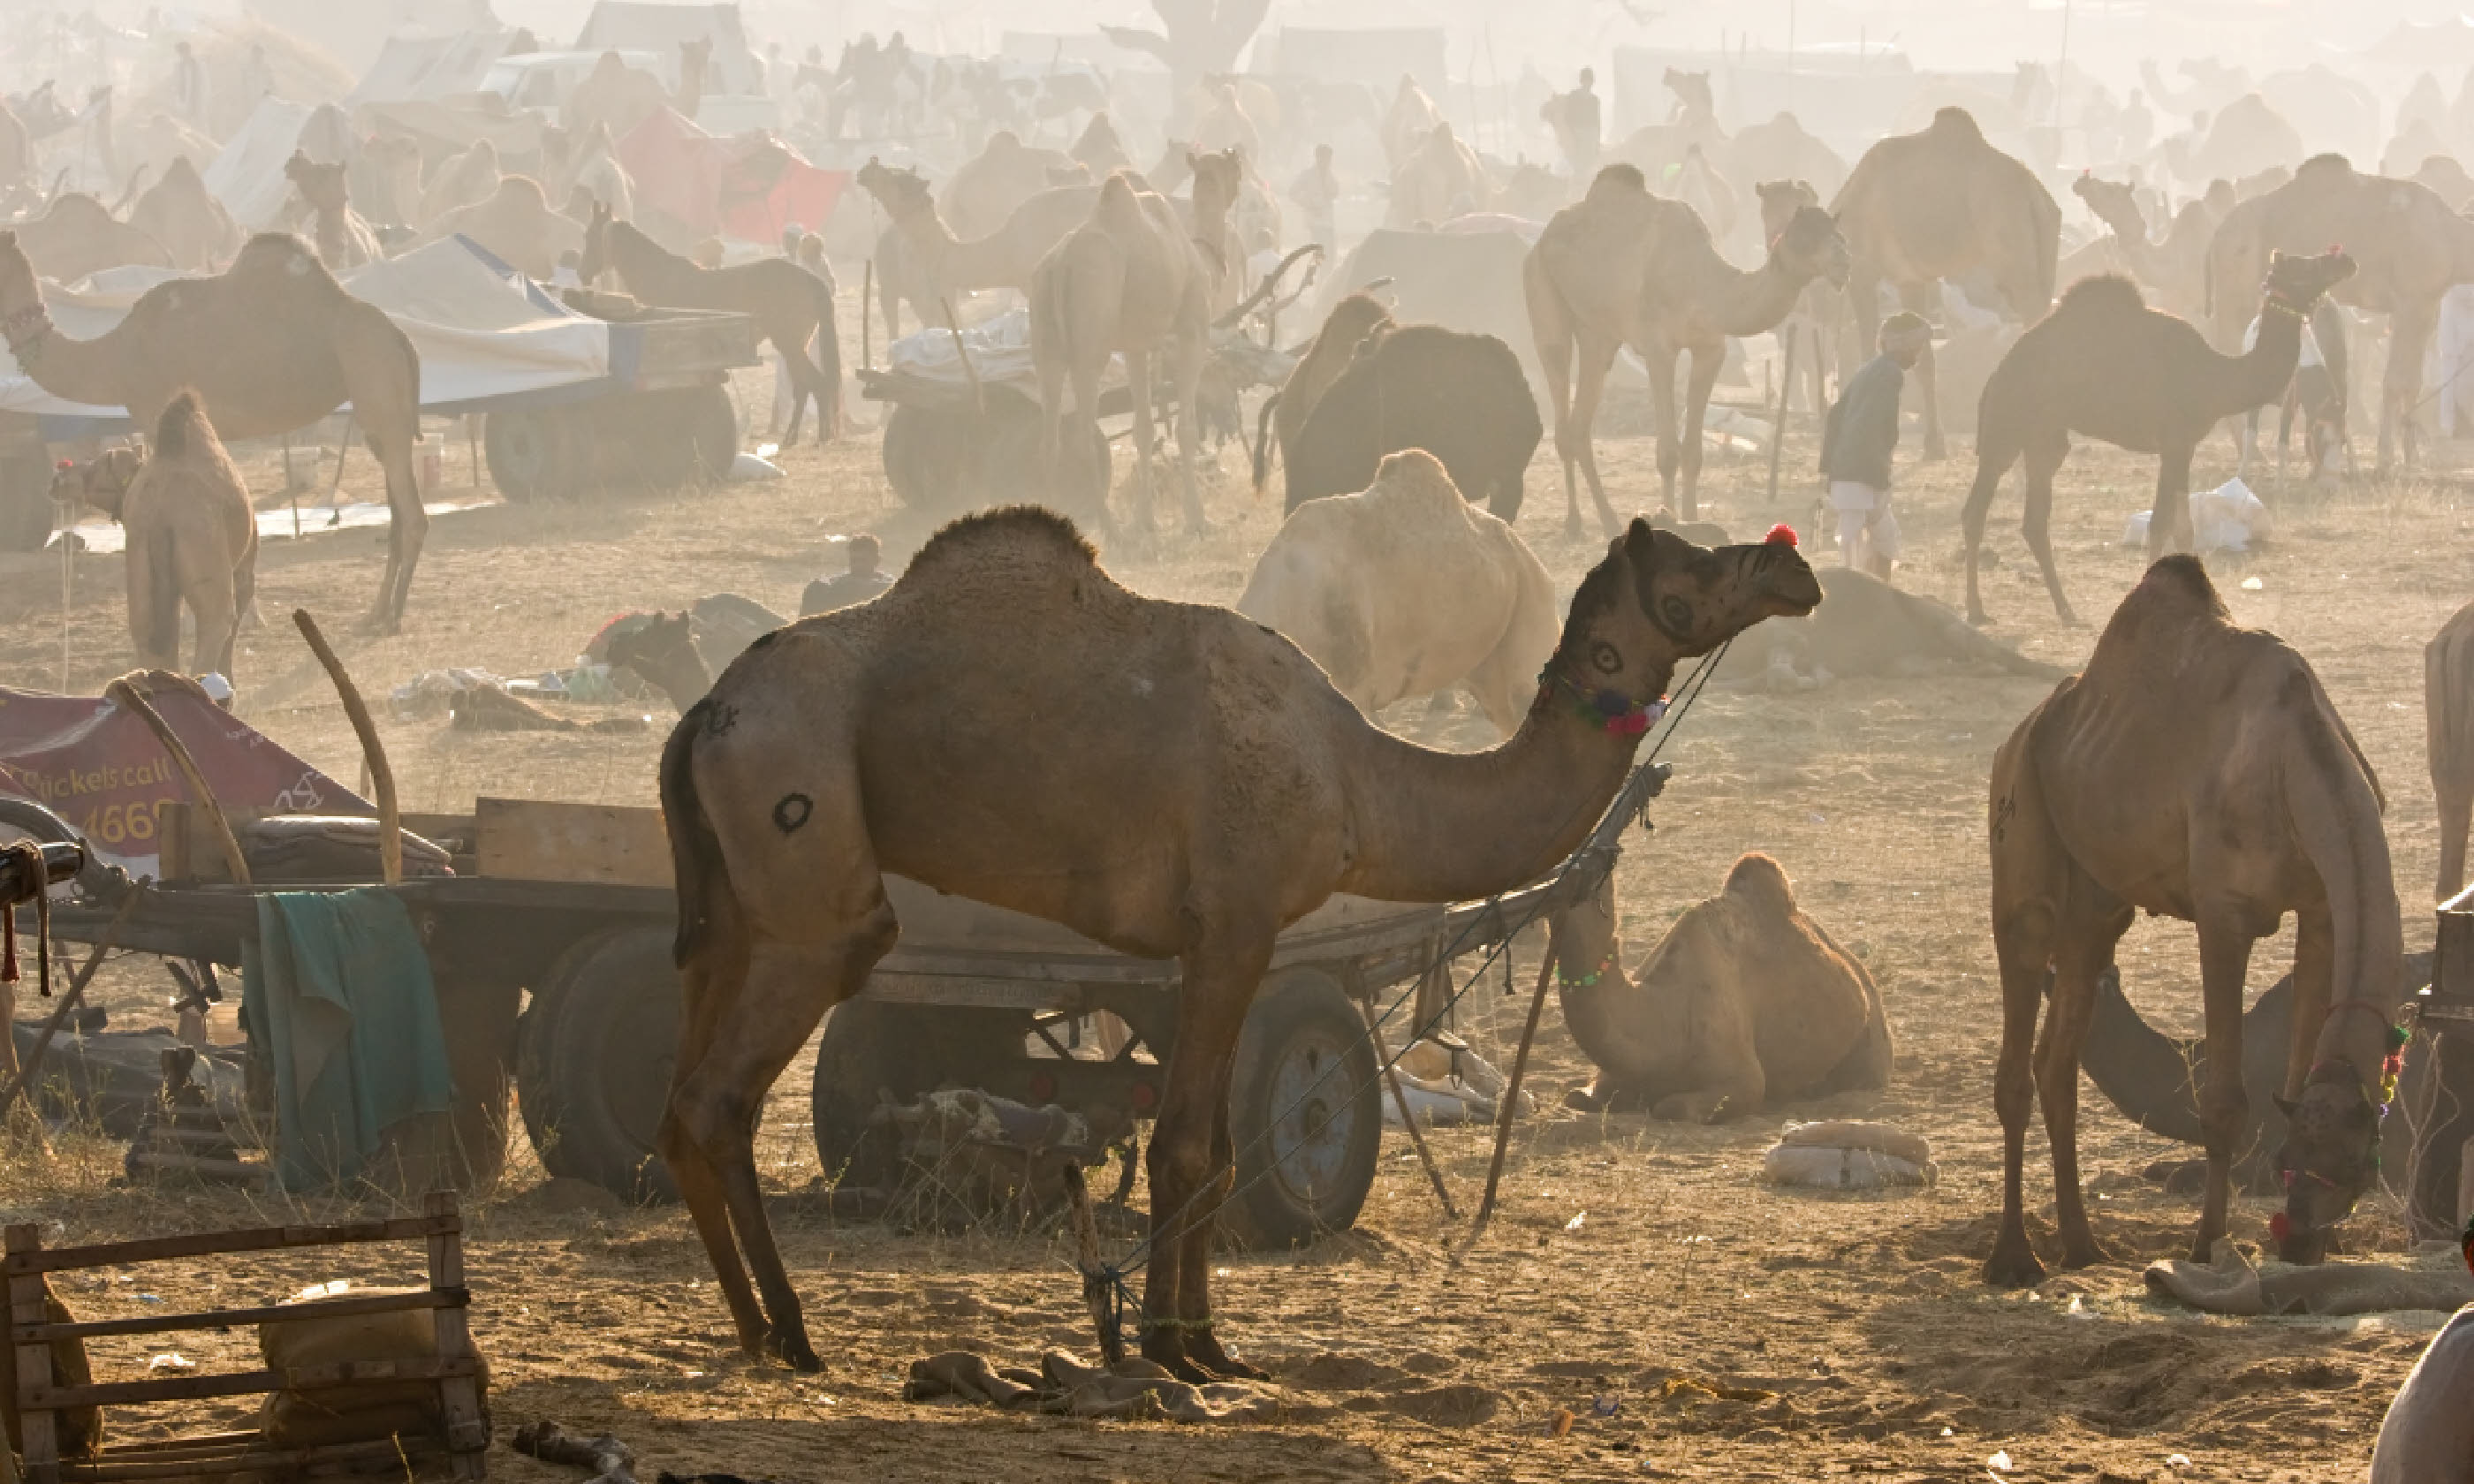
[(527, 452), (25, 502), (923, 459), (872, 1048), (713, 432), (1011, 462), (1305, 1112), (596, 1048)]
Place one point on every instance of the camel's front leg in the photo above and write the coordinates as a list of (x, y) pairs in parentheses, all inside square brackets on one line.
[(1661, 356), (2169, 519), (1138, 386), (2036, 522), (2401, 383), (1190, 352), (2225, 1110), (407, 529), (2088, 933), (1574, 440), (1705, 362), (1189, 1171), (1923, 298)]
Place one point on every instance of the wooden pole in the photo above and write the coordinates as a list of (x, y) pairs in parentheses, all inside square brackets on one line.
[(1511, 1106), (970, 371), (124, 692), (373, 751), (1786, 388), (1408, 1117), (867, 317)]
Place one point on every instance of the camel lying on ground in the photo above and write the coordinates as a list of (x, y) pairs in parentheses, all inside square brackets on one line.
[(1406, 589), (2196, 770), (1745, 1003), (2448, 719), (1871, 628), (1353, 321), (833, 751), (191, 537)]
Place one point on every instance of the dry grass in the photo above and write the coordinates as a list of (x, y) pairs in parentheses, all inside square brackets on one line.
[(1862, 1313)]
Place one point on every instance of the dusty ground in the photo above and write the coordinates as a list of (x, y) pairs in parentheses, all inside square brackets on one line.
[(1863, 1314)]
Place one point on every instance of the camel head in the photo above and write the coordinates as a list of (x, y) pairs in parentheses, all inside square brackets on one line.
[(1658, 599), (900, 190), (1780, 201), (2330, 1157), (102, 482), (2114, 204), (1812, 246), (1217, 177), (693, 58), (2298, 283), (320, 186)]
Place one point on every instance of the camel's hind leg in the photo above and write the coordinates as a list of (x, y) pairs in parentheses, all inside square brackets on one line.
[(1138, 385), (2169, 519), (2092, 922), (1696, 413), (2030, 872), (1923, 299), (1189, 352), (1662, 358), (2224, 1109), (382, 376), (2045, 455)]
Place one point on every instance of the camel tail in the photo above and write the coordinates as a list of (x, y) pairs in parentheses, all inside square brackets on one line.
[(696, 864), (156, 630), (1263, 443), (2334, 800)]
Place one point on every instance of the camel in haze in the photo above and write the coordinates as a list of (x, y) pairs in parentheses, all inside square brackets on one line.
[(1441, 178), (1409, 120), (387, 180), (1692, 300), (789, 304), (2106, 366), (1745, 1004), (344, 240), (946, 266), (1781, 150), (1583, 282), (2411, 247), (1820, 310), (1459, 395), (988, 187), (191, 537), (1131, 281), (178, 212), (2448, 716), (1352, 322), (1407, 589), (518, 227), (1942, 203), (833, 751), (613, 96), (77, 235), (2173, 271), (462, 180), (2196, 770), (271, 343)]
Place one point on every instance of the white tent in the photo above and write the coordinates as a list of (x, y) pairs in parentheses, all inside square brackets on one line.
[(411, 68), (248, 175), (482, 329), (647, 26)]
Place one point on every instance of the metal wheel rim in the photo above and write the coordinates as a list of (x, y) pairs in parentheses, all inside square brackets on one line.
[(1312, 1116)]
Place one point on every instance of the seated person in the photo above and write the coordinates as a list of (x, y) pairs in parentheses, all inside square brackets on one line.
[(860, 583)]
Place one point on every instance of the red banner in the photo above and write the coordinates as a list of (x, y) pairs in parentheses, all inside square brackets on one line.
[(96, 766)]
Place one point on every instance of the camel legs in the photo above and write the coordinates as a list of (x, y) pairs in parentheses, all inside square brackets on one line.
[(382, 377), (2224, 961), (2456, 818), (2044, 459), (1573, 442), (1992, 458), (2169, 519), (1661, 357), (2401, 383), (1189, 1159), (1190, 352), (2092, 923), (1705, 360), (1138, 386)]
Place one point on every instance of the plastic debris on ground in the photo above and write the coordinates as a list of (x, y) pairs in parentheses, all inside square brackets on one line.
[(2226, 518), (1443, 1084), (747, 467), (1846, 1154)]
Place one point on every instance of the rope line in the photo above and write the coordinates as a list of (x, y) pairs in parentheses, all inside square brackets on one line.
[(1104, 1285)]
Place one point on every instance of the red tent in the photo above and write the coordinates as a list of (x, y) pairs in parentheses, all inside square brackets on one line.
[(749, 186)]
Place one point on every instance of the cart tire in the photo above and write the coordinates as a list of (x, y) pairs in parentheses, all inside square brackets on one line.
[(527, 452), (873, 1049), (1305, 1114), (26, 511), (924, 459), (713, 432), (595, 1059)]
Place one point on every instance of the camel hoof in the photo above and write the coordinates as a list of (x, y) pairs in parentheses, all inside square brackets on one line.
[(381, 626), (2087, 1254), (2013, 1265), (1573, 530), (793, 1350)]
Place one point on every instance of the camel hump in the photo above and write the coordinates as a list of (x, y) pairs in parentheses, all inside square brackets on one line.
[(2181, 580), (1760, 880), (1956, 123), (1620, 176), (1413, 475), (2331, 163), (1117, 199), (182, 429), (1019, 532), (2105, 292)]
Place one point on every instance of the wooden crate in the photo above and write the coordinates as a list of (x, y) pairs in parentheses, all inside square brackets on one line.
[(218, 1455), (540, 840)]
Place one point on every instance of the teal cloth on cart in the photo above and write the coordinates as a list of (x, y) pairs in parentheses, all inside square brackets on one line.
[(336, 994)]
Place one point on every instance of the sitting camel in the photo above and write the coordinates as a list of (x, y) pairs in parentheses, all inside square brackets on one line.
[(77, 235), (1407, 589), (2105, 365), (2196, 770), (1351, 323), (2448, 718), (789, 305), (516, 225), (343, 239), (836, 751), (1443, 179), (1871, 628), (191, 537), (1746, 1003), (680, 653)]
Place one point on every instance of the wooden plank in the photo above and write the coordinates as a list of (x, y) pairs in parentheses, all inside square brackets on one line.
[(188, 1388), (468, 1436), (37, 1429), (236, 1456), (207, 1244), (536, 840), (233, 1318)]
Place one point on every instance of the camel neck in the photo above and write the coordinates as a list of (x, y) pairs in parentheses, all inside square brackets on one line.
[(1446, 826), (1607, 1011), (79, 370), (2262, 371), (1761, 297)]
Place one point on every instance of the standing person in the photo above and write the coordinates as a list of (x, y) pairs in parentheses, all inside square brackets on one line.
[(188, 86), (1317, 193), (1578, 125), (1857, 440), (858, 585)]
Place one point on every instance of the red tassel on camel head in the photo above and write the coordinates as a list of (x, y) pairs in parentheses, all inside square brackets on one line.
[(1780, 534)]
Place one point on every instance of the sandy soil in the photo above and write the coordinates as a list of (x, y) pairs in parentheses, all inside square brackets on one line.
[(1862, 1314)]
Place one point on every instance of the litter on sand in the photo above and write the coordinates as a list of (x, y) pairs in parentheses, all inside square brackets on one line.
[(2226, 518), (1844, 1154)]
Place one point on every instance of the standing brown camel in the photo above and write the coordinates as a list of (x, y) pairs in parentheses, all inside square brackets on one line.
[(1692, 300), (2412, 247), (344, 240), (787, 302), (992, 184), (946, 266), (1583, 282), (462, 180), (1186, 785), (2448, 717), (191, 537), (1131, 281), (2173, 271), (2105, 365), (2196, 770), (1937, 204), (1356, 319), (1819, 312), (180, 212), (271, 343)]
